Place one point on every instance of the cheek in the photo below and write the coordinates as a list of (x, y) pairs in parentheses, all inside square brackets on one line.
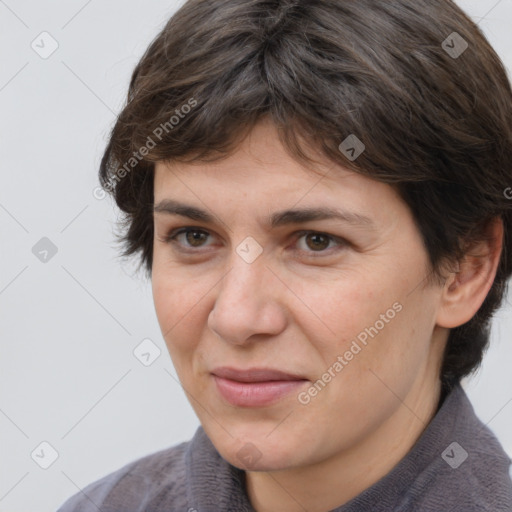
[(179, 304), (371, 317), (334, 311), (387, 352)]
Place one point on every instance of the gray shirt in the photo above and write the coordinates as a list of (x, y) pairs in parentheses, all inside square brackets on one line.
[(457, 465)]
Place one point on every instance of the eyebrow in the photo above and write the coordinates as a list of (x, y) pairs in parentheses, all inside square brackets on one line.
[(277, 219)]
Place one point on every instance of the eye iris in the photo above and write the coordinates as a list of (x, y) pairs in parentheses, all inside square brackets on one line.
[(319, 241), (194, 238)]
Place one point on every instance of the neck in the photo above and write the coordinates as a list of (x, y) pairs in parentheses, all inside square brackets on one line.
[(343, 476)]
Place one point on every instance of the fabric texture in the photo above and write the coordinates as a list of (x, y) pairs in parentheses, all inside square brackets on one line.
[(435, 476)]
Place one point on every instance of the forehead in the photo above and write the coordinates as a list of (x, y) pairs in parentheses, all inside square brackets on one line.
[(260, 172), (261, 150)]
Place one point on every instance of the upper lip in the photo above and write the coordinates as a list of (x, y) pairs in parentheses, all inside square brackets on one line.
[(254, 374)]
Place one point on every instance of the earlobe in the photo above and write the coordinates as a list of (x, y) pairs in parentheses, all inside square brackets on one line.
[(468, 285)]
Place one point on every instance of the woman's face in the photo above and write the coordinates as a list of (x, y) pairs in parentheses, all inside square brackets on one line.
[(340, 303)]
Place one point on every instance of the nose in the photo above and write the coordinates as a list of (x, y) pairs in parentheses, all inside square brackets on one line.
[(248, 303)]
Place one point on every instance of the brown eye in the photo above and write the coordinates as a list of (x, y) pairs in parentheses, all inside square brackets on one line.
[(195, 238), (188, 238), (316, 244), (317, 241)]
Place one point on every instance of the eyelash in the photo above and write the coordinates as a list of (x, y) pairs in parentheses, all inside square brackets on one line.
[(171, 238)]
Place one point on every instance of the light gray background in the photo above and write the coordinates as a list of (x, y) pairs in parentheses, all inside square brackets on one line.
[(69, 326)]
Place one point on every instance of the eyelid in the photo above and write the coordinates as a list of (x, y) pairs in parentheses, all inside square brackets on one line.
[(341, 242)]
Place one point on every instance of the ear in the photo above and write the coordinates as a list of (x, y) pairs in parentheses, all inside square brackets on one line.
[(465, 290)]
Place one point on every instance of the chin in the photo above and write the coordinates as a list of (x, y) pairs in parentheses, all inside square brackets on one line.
[(258, 452)]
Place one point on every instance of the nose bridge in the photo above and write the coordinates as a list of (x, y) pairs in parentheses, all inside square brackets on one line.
[(244, 303), (242, 285)]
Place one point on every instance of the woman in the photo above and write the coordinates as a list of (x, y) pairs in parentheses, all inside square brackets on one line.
[(318, 192)]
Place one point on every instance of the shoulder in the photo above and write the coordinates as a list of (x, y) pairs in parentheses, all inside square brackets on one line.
[(457, 465), (155, 478), (471, 471)]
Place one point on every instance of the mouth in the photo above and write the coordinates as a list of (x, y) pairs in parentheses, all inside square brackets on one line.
[(255, 387)]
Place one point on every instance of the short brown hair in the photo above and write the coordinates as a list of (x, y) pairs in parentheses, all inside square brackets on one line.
[(437, 125)]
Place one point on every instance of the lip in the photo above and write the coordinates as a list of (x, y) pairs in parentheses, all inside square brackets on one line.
[(254, 374), (255, 387)]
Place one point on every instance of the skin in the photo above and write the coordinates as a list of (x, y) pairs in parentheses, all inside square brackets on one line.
[(296, 308)]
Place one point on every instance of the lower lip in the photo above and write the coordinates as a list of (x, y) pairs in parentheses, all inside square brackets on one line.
[(255, 394)]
